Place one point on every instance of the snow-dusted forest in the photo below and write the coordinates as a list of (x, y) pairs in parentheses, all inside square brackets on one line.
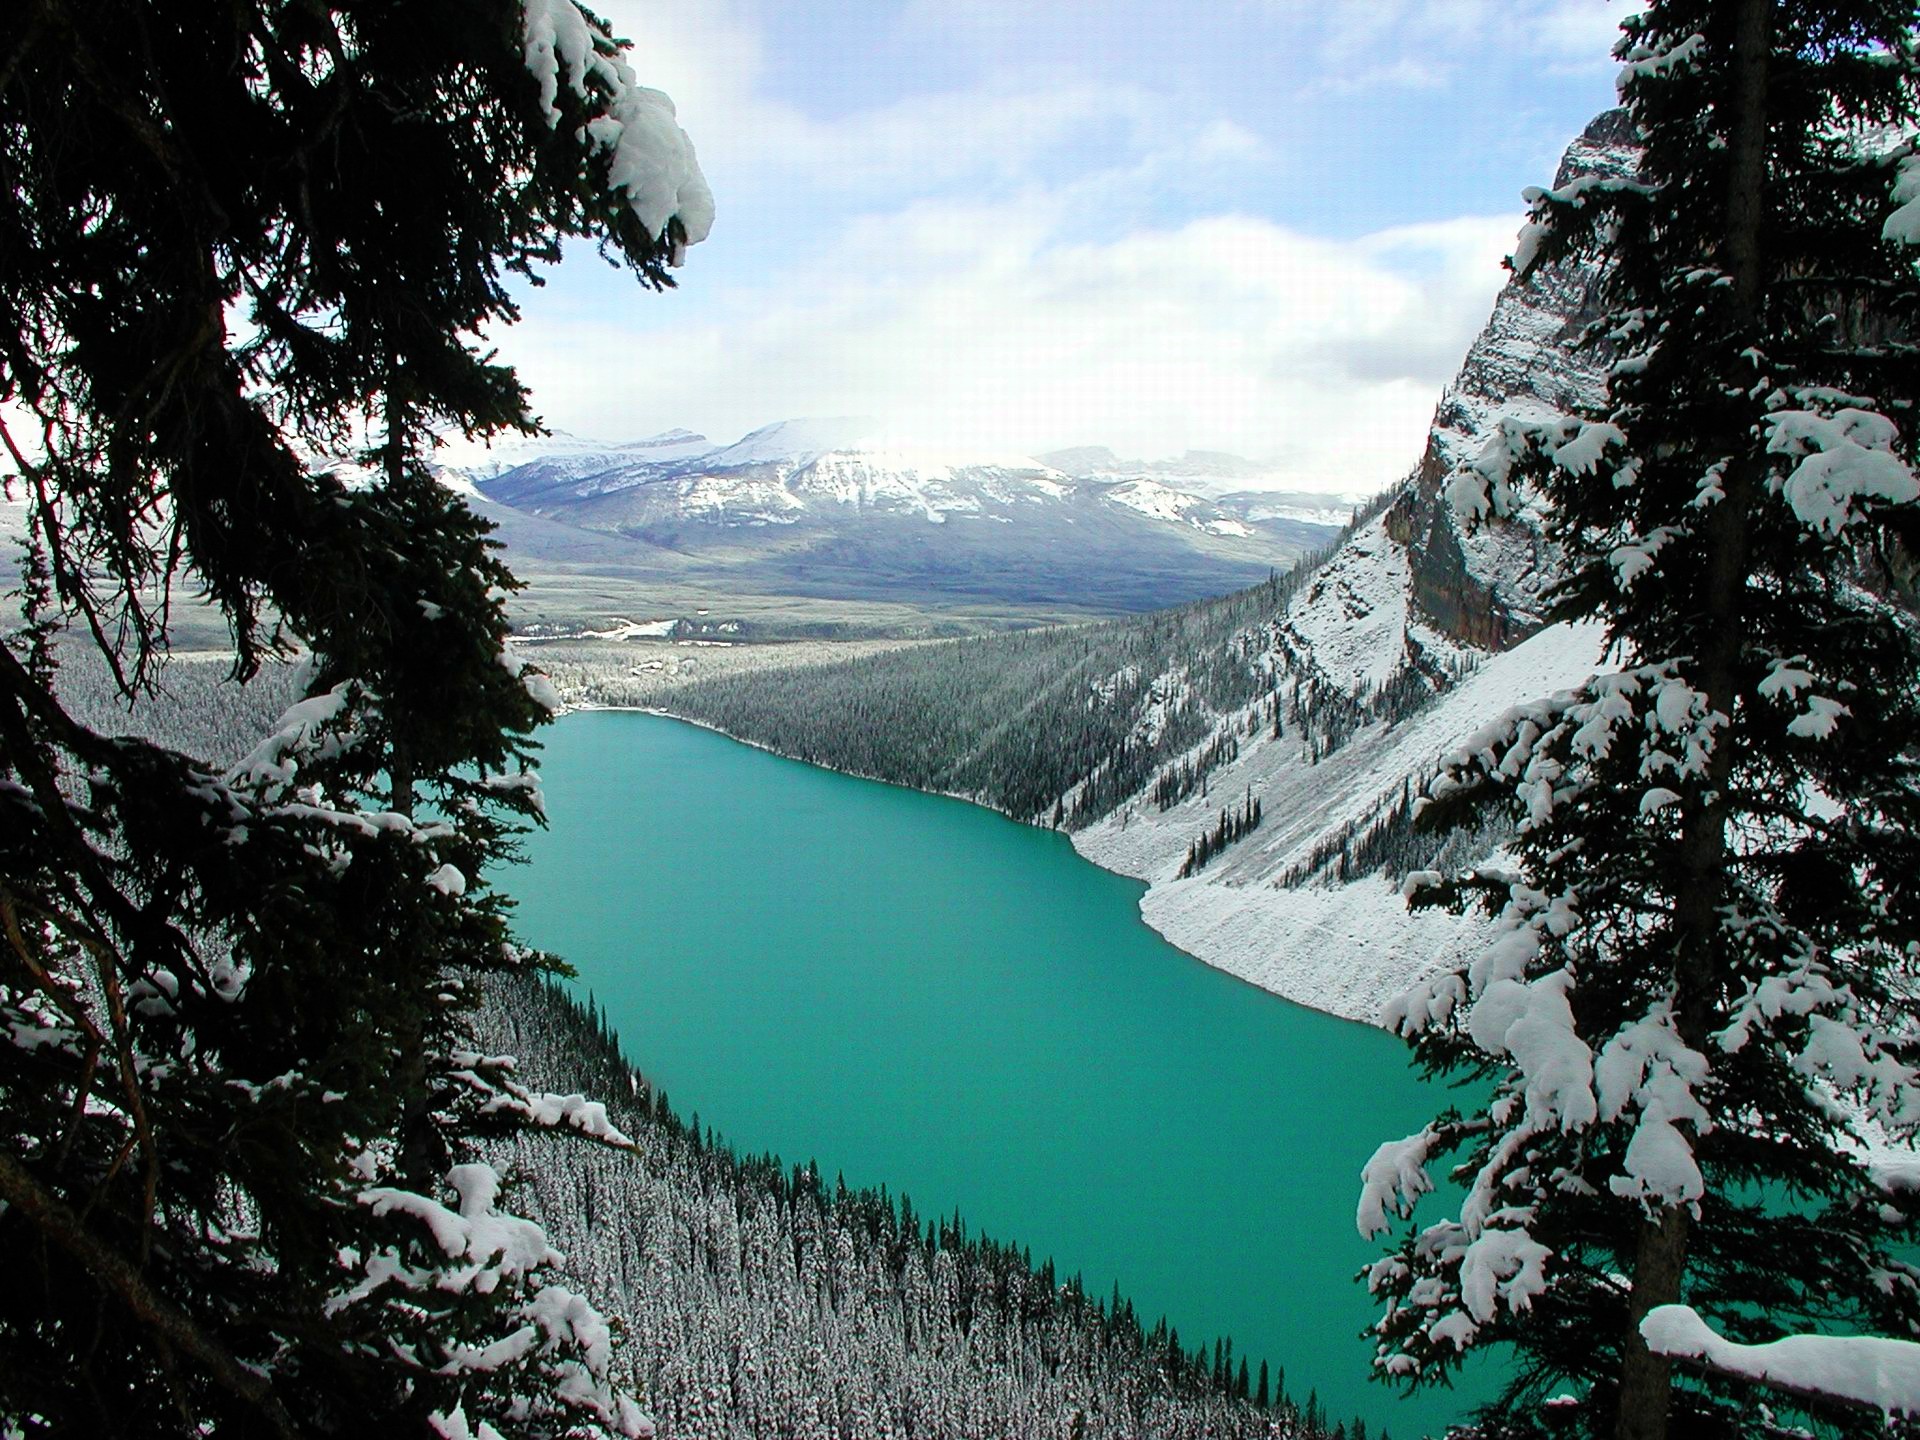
[(759, 1299), (755, 1298)]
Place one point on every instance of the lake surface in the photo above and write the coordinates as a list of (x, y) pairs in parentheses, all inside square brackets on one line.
[(916, 991)]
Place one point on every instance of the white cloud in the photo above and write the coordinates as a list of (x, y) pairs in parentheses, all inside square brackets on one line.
[(979, 326), (712, 60), (1433, 44), (1000, 267)]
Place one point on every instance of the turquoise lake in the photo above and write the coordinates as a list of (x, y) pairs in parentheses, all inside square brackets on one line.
[(918, 992)]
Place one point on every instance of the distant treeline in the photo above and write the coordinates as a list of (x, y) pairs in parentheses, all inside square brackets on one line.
[(1065, 726), (1017, 720), (1061, 725)]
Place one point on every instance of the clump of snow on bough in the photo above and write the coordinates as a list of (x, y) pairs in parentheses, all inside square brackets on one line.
[(1846, 458), (557, 1343), (1858, 1369), (649, 157), (490, 1077), (535, 681)]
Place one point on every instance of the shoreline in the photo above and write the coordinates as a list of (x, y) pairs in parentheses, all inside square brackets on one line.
[(1150, 889)]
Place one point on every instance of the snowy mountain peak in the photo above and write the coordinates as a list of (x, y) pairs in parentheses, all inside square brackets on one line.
[(840, 506), (1487, 587), (464, 464), (799, 441), (1250, 490)]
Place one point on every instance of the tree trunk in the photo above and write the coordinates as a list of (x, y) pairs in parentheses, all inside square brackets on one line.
[(1646, 1378), (1659, 1266)]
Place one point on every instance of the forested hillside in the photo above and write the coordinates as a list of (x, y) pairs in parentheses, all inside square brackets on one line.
[(756, 1299), (1059, 726), (762, 1300)]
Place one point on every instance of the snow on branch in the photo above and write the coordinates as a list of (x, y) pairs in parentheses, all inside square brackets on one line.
[(492, 1245), (1486, 486), (1647, 1067), (552, 1348), (1848, 457), (1650, 62), (649, 156), (1574, 195), (534, 679), (1903, 225), (488, 1076), (1393, 1180), (310, 730), (1854, 1060), (1856, 1369)]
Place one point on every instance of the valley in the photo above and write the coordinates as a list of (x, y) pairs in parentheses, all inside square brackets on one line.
[(826, 528), (1331, 695)]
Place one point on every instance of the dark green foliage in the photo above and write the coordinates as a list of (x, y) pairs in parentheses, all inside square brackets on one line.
[(1024, 721), (1178, 781), (237, 236), (1081, 720), (1385, 840), (1233, 823), (1711, 933)]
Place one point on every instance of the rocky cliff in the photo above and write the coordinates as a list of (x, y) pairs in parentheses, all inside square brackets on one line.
[(1485, 590)]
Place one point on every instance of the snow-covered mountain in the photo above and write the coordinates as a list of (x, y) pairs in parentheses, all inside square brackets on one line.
[(1246, 489), (1485, 588), (560, 450), (834, 507), (1409, 589)]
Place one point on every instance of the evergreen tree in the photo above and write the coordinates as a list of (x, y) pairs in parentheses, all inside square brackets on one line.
[(1698, 1003), (237, 1191)]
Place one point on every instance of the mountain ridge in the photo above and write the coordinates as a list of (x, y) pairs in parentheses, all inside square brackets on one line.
[(836, 509)]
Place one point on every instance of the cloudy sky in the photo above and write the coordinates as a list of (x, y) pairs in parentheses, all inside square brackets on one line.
[(1264, 226)]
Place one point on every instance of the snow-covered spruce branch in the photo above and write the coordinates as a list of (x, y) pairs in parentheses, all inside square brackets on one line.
[(1698, 995), (1864, 1370), (538, 1364), (631, 130)]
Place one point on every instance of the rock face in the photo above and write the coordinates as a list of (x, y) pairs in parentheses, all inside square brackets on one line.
[(1423, 632), (1485, 590)]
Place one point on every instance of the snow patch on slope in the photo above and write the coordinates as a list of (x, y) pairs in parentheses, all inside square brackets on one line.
[(1175, 507), (1342, 948), (1354, 613), (465, 464)]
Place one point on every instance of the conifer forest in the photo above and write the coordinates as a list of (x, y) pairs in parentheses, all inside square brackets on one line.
[(1582, 763)]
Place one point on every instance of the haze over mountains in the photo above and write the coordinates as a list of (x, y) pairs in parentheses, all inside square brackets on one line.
[(833, 509)]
